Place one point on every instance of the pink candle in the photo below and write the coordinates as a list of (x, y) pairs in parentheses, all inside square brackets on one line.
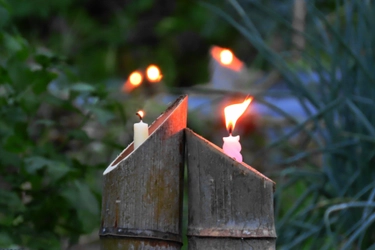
[(232, 145)]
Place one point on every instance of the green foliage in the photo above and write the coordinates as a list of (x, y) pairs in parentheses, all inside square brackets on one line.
[(332, 199), (112, 38), (47, 193)]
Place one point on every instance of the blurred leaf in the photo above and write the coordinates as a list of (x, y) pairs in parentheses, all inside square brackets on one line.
[(45, 58), (11, 202), (9, 158), (41, 80), (78, 134), (4, 16), (145, 4), (103, 116), (16, 45), (4, 78), (169, 25), (57, 170), (46, 122), (81, 198), (82, 87), (15, 143), (5, 240), (34, 163)]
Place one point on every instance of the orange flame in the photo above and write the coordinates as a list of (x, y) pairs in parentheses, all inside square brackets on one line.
[(134, 80), (226, 58), (153, 73), (140, 114), (234, 111)]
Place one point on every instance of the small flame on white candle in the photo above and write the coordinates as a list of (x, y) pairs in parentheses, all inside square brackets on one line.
[(140, 114), (140, 130)]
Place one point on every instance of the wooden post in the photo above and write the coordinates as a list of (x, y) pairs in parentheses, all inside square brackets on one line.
[(142, 195), (230, 203)]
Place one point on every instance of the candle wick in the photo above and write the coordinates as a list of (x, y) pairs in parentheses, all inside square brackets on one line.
[(140, 117), (230, 129)]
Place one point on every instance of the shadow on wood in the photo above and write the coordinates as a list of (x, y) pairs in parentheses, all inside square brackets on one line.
[(230, 203), (142, 195)]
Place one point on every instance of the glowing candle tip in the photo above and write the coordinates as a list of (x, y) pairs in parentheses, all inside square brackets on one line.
[(230, 128), (140, 114)]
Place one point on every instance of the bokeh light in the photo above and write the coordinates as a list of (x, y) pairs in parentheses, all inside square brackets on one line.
[(226, 56), (135, 78), (153, 73)]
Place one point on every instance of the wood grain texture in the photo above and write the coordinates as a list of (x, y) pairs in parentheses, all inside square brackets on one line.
[(142, 196), (231, 243), (229, 201), (135, 243)]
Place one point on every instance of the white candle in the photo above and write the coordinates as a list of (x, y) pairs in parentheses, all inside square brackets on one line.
[(232, 147), (140, 131)]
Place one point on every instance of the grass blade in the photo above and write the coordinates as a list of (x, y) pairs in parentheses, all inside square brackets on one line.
[(361, 117)]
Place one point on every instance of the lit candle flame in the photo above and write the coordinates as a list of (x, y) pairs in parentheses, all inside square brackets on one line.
[(226, 56), (140, 114), (135, 78), (153, 73), (233, 112)]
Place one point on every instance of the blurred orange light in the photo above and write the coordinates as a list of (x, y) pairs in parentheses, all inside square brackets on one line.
[(153, 73), (135, 78), (226, 56)]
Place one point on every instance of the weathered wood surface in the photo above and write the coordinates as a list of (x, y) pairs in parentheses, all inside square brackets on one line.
[(142, 195), (230, 203), (231, 243)]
